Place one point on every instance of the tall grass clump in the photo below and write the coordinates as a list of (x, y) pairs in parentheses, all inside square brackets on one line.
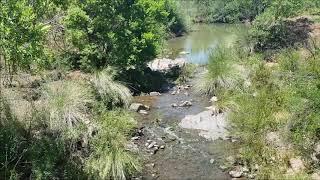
[(186, 72), (110, 92), (67, 104), (222, 72), (110, 159)]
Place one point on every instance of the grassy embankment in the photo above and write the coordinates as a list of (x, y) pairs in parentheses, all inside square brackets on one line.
[(272, 94)]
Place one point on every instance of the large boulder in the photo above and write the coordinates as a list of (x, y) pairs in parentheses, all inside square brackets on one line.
[(165, 65)]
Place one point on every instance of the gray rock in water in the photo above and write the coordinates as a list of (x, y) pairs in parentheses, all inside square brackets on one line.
[(212, 161), (174, 105), (138, 106), (155, 94), (162, 147), (186, 104), (151, 145), (143, 112)]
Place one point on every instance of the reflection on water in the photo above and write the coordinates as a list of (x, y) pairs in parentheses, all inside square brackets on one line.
[(201, 42)]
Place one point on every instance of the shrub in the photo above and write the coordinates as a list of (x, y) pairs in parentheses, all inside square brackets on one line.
[(109, 159), (111, 93), (67, 104), (221, 72)]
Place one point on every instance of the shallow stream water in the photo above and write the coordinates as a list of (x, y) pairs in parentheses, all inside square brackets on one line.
[(187, 154)]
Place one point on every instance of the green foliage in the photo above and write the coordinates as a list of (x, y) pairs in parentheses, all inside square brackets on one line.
[(21, 34), (118, 32), (109, 159), (231, 10)]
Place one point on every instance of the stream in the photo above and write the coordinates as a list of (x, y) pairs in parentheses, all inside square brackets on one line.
[(190, 143)]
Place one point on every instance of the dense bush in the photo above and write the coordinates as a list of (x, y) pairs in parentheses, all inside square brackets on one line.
[(118, 32)]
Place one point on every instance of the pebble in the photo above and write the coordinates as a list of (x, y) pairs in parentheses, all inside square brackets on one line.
[(143, 112), (151, 145), (155, 94), (174, 105), (162, 147), (235, 174), (212, 161), (186, 104), (135, 138)]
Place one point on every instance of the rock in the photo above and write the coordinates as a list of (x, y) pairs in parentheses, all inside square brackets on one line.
[(155, 94), (151, 165), (165, 64), (149, 141), (184, 53), (212, 161), (143, 112), (317, 148), (186, 87), (315, 176), (151, 145), (146, 144), (132, 147), (174, 93), (138, 106), (251, 176), (135, 138), (174, 105), (296, 164), (245, 169), (186, 94), (186, 104), (214, 99), (162, 147), (234, 140), (223, 168), (236, 174), (154, 150), (316, 155), (273, 138)]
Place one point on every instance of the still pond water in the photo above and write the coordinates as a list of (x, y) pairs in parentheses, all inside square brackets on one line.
[(203, 39)]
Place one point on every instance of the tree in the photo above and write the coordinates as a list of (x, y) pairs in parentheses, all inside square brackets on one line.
[(21, 34), (120, 33)]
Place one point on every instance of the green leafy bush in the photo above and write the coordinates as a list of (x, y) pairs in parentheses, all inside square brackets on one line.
[(118, 32)]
